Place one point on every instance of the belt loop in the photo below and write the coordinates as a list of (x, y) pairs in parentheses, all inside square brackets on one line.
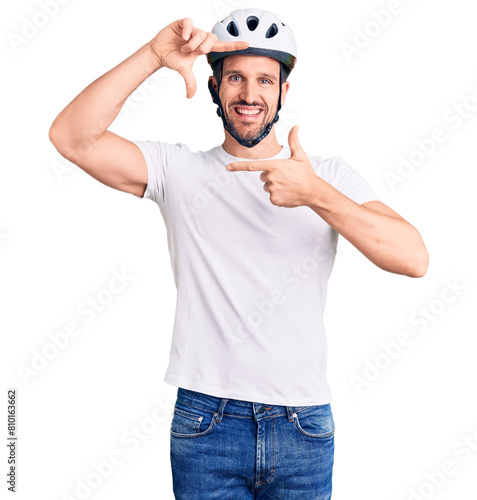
[(219, 413), (290, 413)]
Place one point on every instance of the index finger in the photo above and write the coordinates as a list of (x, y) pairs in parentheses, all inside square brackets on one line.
[(253, 165), (229, 46)]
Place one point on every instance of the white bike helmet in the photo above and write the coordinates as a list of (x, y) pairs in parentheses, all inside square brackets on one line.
[(265, 33), (267, 36)]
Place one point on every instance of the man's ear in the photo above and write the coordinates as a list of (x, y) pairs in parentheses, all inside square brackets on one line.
[(213, 82), (285, 88)]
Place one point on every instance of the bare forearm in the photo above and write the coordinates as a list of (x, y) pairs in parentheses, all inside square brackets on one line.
[(95, 108), (389, 242)]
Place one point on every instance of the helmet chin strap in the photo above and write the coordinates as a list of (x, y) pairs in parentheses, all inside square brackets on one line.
[(220, 112)]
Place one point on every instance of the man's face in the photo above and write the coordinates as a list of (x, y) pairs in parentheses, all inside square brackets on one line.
[(249, 93)]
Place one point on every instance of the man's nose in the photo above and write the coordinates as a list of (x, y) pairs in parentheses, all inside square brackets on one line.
[(249, 92)]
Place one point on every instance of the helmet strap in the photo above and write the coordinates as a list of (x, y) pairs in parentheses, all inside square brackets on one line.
[(220, 112)]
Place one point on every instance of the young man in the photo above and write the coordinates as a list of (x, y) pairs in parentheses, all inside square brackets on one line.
[(252, 417)]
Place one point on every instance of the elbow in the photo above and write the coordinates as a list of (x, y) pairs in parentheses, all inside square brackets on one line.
[(60, 136), (56, 135), (420, 264), (53, 135), (419, 258)]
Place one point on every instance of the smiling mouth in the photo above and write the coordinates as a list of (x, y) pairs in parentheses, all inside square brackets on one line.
[(247, 111)]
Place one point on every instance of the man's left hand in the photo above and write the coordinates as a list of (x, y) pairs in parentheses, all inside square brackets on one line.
[(290, 182)]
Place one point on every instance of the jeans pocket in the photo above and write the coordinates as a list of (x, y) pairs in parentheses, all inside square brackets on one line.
[(316, 421), (190, 422)]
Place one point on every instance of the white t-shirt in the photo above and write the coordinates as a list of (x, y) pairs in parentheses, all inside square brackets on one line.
[(251, 277)]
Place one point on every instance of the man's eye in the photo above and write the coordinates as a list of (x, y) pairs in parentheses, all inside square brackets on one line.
[(265, 80), (235, 78)]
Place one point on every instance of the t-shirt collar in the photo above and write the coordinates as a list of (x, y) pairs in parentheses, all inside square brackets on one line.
[(227, 157)]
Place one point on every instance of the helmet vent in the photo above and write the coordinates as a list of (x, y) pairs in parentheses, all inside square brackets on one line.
[(232, 29), (252, 23), (272, 31)]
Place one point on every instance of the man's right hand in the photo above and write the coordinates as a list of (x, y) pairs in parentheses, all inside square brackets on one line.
[(179, 44)]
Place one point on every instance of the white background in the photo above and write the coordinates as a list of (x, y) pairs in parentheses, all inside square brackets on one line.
[(63, 234)]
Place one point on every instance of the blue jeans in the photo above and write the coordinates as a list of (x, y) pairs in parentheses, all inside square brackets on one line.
[(232, 450)]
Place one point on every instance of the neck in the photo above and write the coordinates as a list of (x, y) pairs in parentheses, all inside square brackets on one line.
[(266, 148)]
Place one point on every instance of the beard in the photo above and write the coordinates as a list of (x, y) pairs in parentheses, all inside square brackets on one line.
[(247, 131)]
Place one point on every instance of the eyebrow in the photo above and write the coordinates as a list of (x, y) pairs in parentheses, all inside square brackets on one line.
[(235, 71)]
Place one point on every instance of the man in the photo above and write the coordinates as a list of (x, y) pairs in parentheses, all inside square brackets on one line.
[(252, 417)]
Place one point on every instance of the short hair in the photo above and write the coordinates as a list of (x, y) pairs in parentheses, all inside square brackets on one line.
[(217, 68)]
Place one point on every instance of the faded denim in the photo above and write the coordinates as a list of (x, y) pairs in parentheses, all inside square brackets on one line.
[(230, 449)]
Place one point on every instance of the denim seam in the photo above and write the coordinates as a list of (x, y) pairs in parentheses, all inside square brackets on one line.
[(316, 436)]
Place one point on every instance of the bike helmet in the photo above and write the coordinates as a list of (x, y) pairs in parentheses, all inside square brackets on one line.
[(267, 36)]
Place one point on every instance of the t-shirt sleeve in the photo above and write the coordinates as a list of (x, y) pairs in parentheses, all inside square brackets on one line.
[(349, 182), (158, 156)]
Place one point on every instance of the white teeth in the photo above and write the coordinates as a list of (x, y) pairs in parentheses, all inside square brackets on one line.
[(248, 112)]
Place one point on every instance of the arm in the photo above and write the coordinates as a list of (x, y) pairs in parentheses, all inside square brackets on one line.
[(376, 230), (79, 132)]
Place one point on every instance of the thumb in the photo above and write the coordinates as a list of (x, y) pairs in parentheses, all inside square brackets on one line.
[(189, 78), (294, 143)]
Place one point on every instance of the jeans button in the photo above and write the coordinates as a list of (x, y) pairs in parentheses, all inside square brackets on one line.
[(260, 409)]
